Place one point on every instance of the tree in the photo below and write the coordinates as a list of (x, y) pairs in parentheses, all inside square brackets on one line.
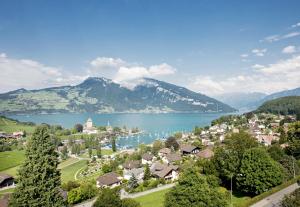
[(227, 163), (38, 177), (78, 127), (292, 200), (147, 173), (64, 152), (172, 143), (294, 140), (258, 172), (193, 190), (197, 130), (240, 142), (98, 151), (156, 146), (133, 182), (108, 198), (113, 144), (178, 135), (276, 152), (290, 165), (90, 152)]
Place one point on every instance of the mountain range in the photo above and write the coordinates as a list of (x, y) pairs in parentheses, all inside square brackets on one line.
[(101, 95), (251, 101)]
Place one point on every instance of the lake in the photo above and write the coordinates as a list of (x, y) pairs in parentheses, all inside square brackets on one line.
[(155, 125)]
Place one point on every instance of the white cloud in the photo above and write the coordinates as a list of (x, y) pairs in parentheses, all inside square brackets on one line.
[(128, 76), (296, 25), (275, 38), (259, 52), (30, 74), (257, 66), (244, 55), (282, 75), (107, 62), (289, 49)]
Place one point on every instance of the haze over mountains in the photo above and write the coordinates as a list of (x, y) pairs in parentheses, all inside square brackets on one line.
[(251, 101), (101, 95)]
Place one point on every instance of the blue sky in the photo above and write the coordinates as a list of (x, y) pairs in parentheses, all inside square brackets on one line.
[(210, 46)]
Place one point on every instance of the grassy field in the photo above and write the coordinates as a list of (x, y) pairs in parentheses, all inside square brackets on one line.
[(11, 159), (68, 172), (10, 126), (154, 199)]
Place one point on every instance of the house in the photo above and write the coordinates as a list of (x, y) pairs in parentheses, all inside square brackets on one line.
[(163, 152), (167, 172), (267, 139), (147, 158), (205, 154), (274, 125), (88, 127), (132, 164), (6, 180), (110, 180), (187, 149), (138, 173), (172, 157)]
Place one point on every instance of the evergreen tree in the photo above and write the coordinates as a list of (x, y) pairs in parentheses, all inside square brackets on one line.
[(147, 174), (98, 151), (133, 182), (113, 144), (90, 152), (38, 177)]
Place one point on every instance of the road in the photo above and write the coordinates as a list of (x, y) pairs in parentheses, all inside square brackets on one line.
[(274, 199), (134, 195)]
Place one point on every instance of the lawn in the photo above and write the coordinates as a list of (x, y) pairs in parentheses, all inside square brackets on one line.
[(68, 173), (2, 192), (11, 159), (103, 152), (10, 126), (67, 162), (154, 199)]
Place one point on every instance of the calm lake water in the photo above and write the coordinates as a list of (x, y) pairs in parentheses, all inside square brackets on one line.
[(155, 125)]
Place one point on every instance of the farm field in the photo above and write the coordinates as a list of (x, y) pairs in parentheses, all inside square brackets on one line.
[(10, 159)]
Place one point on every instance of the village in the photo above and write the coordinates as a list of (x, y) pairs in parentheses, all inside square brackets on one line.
[(150, 166)]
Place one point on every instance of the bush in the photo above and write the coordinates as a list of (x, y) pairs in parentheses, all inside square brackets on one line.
[(70, 185), (128, 202)]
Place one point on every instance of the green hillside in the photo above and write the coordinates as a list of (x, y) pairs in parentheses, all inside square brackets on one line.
[(9, 125), (289, 105)]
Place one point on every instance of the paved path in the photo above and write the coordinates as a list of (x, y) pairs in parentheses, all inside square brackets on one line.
[(134, 195), (274, 199)]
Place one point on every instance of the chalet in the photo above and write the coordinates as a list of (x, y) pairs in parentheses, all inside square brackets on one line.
[(6, 180), (147, 158), (187, 149), (132, 164), (109, 180), (138, 173), (205, 154), (267, 139), (167, 172), (163, 152), (172, 157)]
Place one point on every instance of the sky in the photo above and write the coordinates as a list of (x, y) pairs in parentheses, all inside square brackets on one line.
[(211, 47)]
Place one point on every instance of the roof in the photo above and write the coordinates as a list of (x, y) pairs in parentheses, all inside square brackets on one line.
[(147, 156), (132, 164), (165, 151), (207, 153), (187, 148), (108, 179), (136, 172), (4, 176), (162, 170), (172, 157)]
